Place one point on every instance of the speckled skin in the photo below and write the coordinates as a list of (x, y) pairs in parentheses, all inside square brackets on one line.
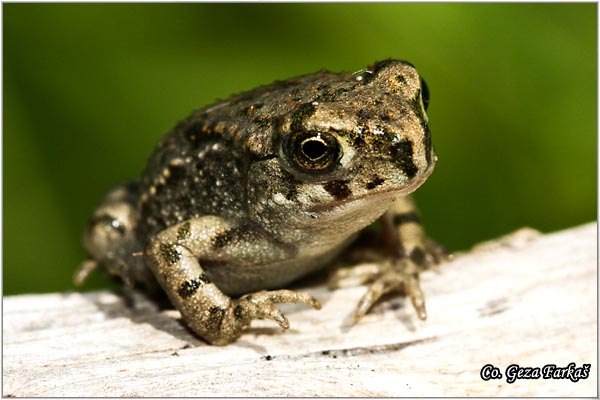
[(253, 192)]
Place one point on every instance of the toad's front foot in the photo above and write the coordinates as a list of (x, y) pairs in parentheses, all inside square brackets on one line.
[(262, 305), (226, 325), (391, 275), (386, 275)]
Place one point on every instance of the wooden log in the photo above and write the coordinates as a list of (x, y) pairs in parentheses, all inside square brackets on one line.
[(525, 299)]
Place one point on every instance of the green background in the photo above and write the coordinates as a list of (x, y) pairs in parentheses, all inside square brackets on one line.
[(89, 89)]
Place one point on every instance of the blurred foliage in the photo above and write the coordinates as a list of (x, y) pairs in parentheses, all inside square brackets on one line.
[(89, 88)]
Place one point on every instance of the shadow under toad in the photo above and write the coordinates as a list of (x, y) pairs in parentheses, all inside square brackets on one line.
[(157, 311)]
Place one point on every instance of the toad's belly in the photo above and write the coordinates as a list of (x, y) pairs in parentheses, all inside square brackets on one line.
[(235, 279)]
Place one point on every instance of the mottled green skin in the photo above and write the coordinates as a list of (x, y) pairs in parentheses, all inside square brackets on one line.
[(255, 191)]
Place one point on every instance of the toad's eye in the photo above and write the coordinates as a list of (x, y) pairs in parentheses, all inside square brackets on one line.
[(425, 93), (313, 151)]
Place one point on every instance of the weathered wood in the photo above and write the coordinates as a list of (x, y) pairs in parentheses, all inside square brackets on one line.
[(525, 299)]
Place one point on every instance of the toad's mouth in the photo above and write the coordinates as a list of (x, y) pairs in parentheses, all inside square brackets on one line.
[(383, 195)]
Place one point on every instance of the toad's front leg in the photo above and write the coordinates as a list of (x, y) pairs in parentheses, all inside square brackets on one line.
[(174, 255), (409, 253)]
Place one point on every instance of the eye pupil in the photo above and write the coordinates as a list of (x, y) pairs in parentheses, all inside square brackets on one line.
[(314, 148)]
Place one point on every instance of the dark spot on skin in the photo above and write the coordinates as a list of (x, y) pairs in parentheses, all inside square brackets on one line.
[(291, 184), (358, 141), (236, 234), (405, 218), (170, 253), (401, 80), (238, 312), (303, 112), (330, 94), (177, 173), (416, 104), (425, 93), (204, 279), (215, 319), (268, 358), (363, 116), (146, 210), (194, 134), (183, 232), (200, 164), (188, 288), (183, 203), (222, 239), (292, 192), (427, 143), (402, 154), (375, 181), (250, 234), (338, 189), (262, 122), (107, 220), (163, 155), (258, 157), (160, 189), (417, 256)]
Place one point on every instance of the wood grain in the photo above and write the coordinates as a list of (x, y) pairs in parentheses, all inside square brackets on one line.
[(526, 299)]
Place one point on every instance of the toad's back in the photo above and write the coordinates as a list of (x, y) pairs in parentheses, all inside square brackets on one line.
[(200, 168), (186, 179)]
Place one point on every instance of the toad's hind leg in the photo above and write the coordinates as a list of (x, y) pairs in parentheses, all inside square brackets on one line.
[(175, 256), (110, 239)]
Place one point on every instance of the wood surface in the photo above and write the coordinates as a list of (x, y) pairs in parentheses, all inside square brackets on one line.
[(527, 299)]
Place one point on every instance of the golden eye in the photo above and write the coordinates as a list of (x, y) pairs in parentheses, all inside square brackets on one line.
[(313, 151)]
